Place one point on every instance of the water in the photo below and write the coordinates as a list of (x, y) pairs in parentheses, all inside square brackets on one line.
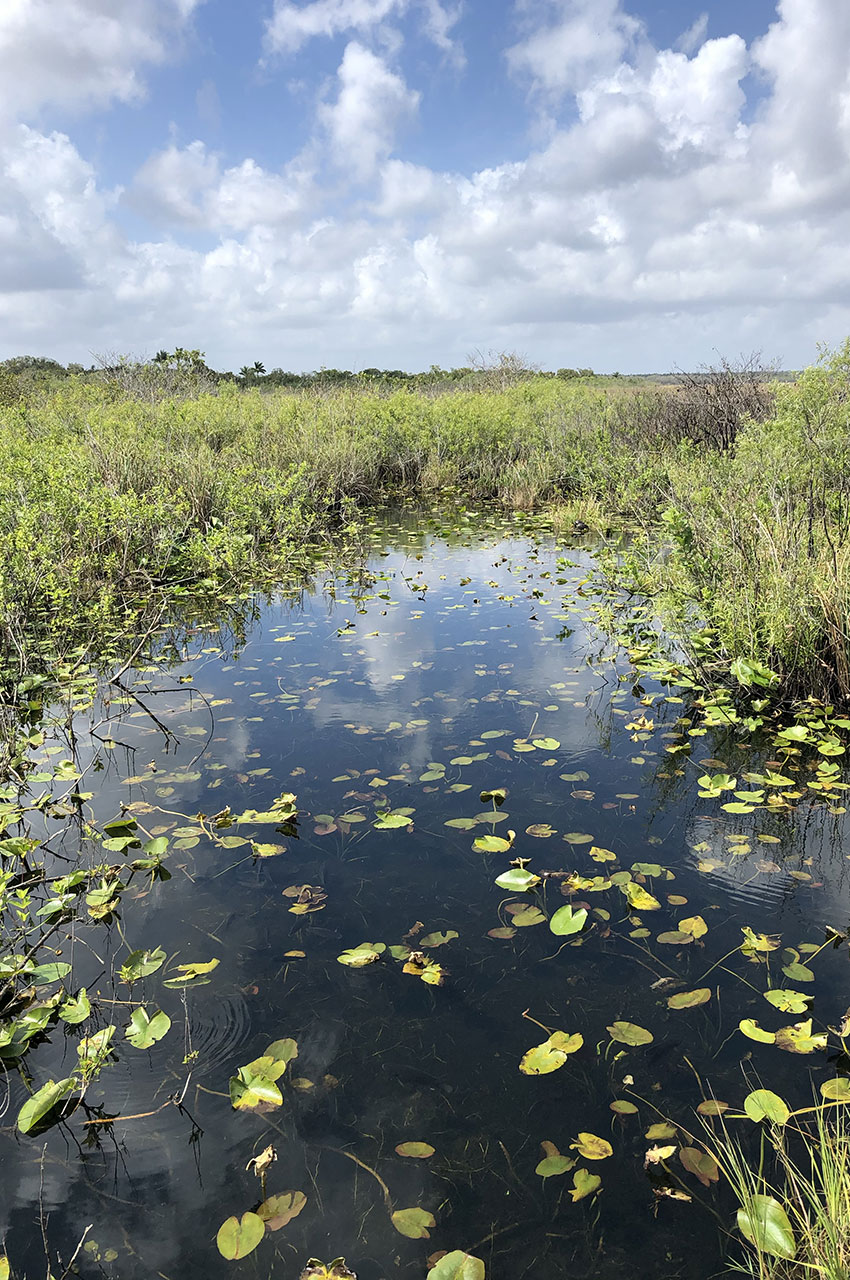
[(460, 645)]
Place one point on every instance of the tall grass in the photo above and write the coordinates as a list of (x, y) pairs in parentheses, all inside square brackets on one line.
[(108, 497)]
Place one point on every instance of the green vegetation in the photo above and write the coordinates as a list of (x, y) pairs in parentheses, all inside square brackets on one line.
[(125, 489)]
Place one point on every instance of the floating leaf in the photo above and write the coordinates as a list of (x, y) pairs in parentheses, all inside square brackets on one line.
[(689, 999), (584, 1184), (438, 939), (753, 1031), (788, 1001), (144, 1031), (278, 1210), (413, 1223), (458, 1265), (568, 920), (75, 1010), (282, 1050), (711, 1107), (762, 1104), (700, 1164), (638, 897), (551, 1054), (765, 1224), (837, 1090), (189, 975), (253, 1087), (629, 1033), (659, 1131), (528, 916), (365, 953), (492, 844), (43, 1101), (237, 1238), (517, 880), (592, 1147), (141, 963), (546, 744), (623, 1108), (694, 925), (554, 1166), (799, 1038), (415, 1150)]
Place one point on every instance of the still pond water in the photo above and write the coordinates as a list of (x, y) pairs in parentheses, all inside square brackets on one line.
[(461, 659)]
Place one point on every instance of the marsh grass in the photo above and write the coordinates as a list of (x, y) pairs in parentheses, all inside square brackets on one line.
[(806, 1170), (110, 499)]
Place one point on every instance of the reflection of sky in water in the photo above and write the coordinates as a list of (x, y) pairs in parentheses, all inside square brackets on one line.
[(327, 696)]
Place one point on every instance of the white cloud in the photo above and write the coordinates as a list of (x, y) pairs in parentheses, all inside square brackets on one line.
[(82, 53), (663, 216), (372, 102), (292, 25)]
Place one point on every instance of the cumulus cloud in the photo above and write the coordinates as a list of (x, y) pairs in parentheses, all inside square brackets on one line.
[(371, 103), (292, 25), (82, 53), (664, 214)]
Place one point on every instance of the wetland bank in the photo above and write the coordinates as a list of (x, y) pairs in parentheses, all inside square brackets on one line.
[(470, 886)]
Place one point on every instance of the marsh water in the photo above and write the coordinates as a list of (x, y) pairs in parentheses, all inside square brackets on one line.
[(465, 655)]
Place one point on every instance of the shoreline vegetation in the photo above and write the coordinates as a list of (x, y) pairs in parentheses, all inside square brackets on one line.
[(129, 489)]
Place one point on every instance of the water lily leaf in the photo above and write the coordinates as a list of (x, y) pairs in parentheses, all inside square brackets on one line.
[(675, 938), (5, 1270), (43, 1101), (462, 824), (528, 916), (592, 1147), (501, 933), (237, 1238), (144, 1031), (415, 1150), (638, 897), (799, 1038), (689, 999), (75, 1010), (629, 1033), (711, 1107), (554, 1166), (141, 963), (578, 837), (837, 1090), (365, 953), (278, 1210), (491, 844), (413, 1223), (700, 1164), (517, 880), (695, 925), (458, 1265), (788, 1001), (623, 1108), (753, 1031), (192, 975), (765, 1224), (659, 1131), (438, 939), (762, 1104), (498, 795), (798, 972), (546, 744), (568, 920), (282, 1051), (42, 974), (551, 1054), (253, 1087), (584, 1184), (392, 821)]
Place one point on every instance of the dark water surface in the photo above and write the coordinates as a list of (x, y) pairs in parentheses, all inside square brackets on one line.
[(347, 696)]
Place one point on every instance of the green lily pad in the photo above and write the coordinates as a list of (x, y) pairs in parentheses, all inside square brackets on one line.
[(413, 1223), (763, 1104), (551, 1054), (765, 1224), (458, 1265), (237, 1238), (568, 920), (629, 1033)]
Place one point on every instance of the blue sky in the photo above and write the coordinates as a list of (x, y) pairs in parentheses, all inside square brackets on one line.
[(625, 185)]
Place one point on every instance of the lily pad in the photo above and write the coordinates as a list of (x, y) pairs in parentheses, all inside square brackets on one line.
[(143, 1031), (765, 1224), (568, 920), (458, 1265), (415, 1150), (763, 1104), (584, 1184), (551, 1054), (629, 1033), (413, 1223), (689, 999), (43, 1101), (592, 1147), (278, 1210), (238, 1237)]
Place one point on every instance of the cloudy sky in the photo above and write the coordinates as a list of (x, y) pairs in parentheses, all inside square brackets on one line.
[(621, 184)]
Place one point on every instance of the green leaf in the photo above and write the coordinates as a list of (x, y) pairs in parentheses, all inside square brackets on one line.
[(584, 1184), (75, 1010), (415, 1150), (762, 1104), (628, 1033), (236, 1239), (546, 744), (282, 1050), (517, 880), (491, 844), (141, 963), (592, 1147), (554, 1166), (413, 1223), (638, 897), (837, 1090), (458, 1265), (43, 1101), (192, 975), (392, 821), (251, 1089), (42, 974), (747, 671), (278, 1210), (689, 999), (765, 1224), (144, 1031), (365, 953), (799, 1038), (438, 939), (568, 920), (753, 1031), (551, 1054), (788, 1001)]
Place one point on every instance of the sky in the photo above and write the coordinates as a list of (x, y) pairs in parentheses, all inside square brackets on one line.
[(624, 185)]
